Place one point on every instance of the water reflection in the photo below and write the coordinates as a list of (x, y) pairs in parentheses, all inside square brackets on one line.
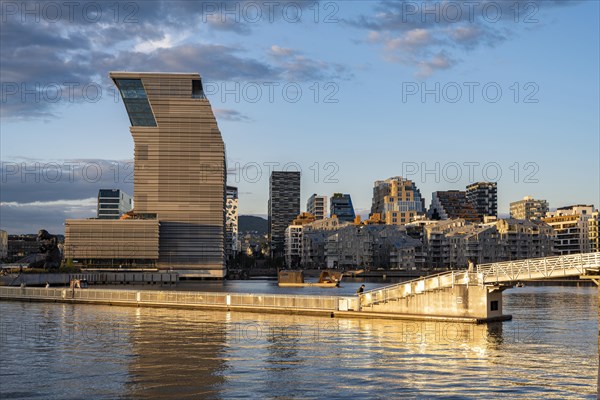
[(548, 350)]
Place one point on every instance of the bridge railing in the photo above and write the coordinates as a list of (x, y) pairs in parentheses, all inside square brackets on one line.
[(420, 285), (539, 268), (277, 301)]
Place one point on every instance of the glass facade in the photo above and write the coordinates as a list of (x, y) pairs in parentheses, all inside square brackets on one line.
[(136, 102)]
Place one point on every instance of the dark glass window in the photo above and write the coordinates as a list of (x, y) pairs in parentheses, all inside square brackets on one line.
[(494, 305), (136, 102), (197, 92)]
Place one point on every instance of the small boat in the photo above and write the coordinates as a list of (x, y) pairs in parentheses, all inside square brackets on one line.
[(355, 272), (327, 279), (520, 284)]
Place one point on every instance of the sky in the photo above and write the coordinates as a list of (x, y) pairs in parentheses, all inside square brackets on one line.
[(444, 93)]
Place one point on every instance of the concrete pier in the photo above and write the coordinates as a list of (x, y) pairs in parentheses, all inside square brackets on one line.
[(95, 278), (328, 306)]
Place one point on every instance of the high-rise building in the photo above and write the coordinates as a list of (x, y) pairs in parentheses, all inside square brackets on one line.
[(397, 200), (529, 208), (452, 204), (576, 229), (113, 203), (284, 206), (484, 197), (317, 206), (341, 206), (231, 223), (179, 181)]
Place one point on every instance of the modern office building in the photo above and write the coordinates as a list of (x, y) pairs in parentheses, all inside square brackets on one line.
[(317, 206), (179, 181), (529, 208), (484, 197), (284, 206), (232, 243), (397, 200), (341, 206), (113, 203), (576, 229), (452, 204)]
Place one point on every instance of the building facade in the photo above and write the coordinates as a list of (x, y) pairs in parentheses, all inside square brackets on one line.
[(341, 206), (529, 208), (232, 244), (179, 173), (452, 204), (284, 206), (317, 206), (293, 239), (397, 200), (3, 244), (484, 197), (113, 203), (576, 229)]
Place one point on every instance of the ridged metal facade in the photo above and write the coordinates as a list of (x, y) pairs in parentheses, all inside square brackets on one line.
[(180, 172), (104, 240)]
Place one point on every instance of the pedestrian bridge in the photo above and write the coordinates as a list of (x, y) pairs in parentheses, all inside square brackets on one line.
[(539, 268), (493, 276)]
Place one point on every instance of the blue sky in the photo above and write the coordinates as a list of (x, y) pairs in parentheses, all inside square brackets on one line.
[(362, 67)]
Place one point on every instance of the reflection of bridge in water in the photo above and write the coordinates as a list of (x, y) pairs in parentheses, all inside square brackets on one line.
[(475, 293)]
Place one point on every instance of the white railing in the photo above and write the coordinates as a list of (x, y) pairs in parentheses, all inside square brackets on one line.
[(274, 301), (420, 285), (539, 268)]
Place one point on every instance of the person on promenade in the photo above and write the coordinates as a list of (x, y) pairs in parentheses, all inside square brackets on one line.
[(360, 290)]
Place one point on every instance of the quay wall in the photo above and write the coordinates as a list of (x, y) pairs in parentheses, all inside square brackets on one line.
[(328, 306)]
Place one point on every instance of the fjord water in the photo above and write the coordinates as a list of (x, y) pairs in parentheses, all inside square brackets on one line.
[(52, 351)]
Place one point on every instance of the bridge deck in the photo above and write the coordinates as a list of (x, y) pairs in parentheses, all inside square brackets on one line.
[(489, 274)]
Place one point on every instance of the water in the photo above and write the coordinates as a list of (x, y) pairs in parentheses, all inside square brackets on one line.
[(52, 350)]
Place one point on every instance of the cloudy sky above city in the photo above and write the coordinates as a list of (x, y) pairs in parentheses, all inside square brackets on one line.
[(349, 92)]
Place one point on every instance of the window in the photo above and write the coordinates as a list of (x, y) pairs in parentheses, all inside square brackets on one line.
[(197, 92), (136, 102), (494, 305)]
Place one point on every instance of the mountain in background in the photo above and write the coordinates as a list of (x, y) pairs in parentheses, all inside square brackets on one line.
[(247, 223)]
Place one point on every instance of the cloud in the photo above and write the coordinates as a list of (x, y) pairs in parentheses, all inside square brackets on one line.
[(432, 36), (27, 181), (231, 115), (18, 218), (67, 54)]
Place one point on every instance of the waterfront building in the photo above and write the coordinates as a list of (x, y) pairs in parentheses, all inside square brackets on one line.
[(521, 238), (397, 200), (451, 243), (317, 206), (21, 246), (293, 239), (232, 243), (179, 183), (372, 247), (341, 206), (113, 203), (529, 208), (452, 204), (284, 206), (576, 229), (484, 197)]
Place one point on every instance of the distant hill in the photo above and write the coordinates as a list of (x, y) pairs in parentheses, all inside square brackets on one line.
[(248, 223)]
